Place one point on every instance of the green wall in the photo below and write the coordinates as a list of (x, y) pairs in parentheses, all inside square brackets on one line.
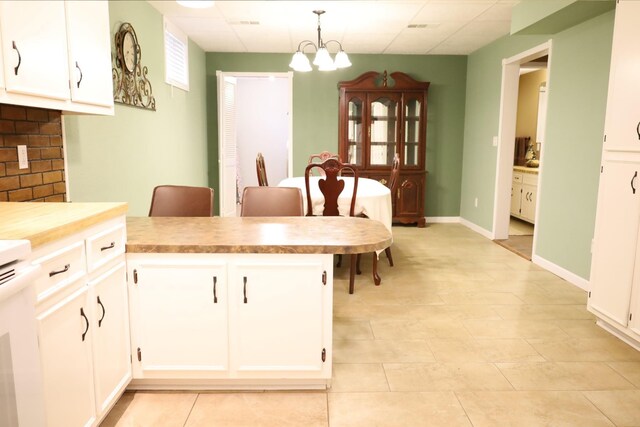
[(315, 112), (579, 73), (122, 157)]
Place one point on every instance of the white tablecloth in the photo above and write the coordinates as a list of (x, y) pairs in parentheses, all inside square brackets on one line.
[(372, 199)]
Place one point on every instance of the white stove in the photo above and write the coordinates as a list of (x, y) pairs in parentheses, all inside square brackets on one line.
[(21, 390)]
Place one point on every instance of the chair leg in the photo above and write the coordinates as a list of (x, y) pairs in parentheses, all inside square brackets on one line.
[(387, 252), (376, 277), (339, 263), (358, 271), (352, 271)]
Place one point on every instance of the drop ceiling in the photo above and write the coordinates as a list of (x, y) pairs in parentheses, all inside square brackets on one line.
[(431, 27)]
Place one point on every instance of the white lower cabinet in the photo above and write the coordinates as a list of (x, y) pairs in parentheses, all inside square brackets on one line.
[(64, 338), (277, 312), (247, 320), (179, 318), (615, 270), (110, 329), (524, 189), (83, 326)]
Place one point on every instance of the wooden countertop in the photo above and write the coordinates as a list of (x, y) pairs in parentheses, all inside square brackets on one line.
[(525, 169), (42, 223), (303, 235)]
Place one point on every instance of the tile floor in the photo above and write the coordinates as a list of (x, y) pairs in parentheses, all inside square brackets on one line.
[(461, 332)]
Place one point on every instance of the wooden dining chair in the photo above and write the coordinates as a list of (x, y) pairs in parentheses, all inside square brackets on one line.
[(272, 201), (331, 187), (394, 179), (321, 157), (261, 170), (180, 200)]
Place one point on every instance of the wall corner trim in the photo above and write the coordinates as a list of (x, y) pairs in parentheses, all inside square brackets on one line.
[(563, 273)]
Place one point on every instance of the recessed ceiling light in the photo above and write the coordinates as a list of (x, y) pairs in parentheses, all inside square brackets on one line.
[(195, 4)]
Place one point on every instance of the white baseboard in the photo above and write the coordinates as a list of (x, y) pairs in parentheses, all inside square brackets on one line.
[(561, 272), (442, 219), (486, 233)]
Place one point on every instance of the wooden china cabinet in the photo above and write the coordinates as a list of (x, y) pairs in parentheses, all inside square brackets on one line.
[(380, 115)]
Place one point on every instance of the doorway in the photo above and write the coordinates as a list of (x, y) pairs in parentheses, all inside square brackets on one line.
[(254, 115), (521, 151)]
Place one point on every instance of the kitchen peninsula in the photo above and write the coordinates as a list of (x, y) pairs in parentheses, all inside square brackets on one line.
[(237, 302), (194, 303)]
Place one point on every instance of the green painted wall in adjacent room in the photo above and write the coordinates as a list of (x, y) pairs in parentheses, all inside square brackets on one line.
[(578, 78), (122, 157), (315, 112)]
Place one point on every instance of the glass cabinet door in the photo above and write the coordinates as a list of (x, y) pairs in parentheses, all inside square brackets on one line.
[(411, 131), (354, 131), (384, 116)]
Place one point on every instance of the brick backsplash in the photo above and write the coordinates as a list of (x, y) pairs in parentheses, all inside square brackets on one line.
[(41, 131)]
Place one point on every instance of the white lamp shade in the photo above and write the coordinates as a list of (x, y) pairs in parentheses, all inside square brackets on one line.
[(342, 60), (330, 66), (323, 59), (300, 62)]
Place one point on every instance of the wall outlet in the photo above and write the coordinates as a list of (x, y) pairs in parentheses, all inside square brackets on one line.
[(495, 141), (23, 161), (476, 202)]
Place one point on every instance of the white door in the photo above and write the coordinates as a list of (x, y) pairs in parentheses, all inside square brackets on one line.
[(227, 153), (179, 318), (64, 336), (616, 238), (263, 302), (89, 52), (34, 48), (111, 346)]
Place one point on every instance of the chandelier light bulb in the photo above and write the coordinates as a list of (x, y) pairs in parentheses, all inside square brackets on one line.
[(300, 62)]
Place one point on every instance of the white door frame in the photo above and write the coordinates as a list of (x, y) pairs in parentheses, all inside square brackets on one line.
[(221, 75), (506, 140)]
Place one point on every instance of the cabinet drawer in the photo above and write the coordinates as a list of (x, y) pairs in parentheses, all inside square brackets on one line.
[(59, 269), (517, 177), (105, 246), (530, 178)]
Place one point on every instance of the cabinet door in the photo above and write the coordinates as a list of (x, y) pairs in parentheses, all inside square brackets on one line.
[(516, 198), (410, 202), (384, 128), (413, 131), (179, 318), (615, 240), (64, 336), (353, 130), (277, 321), (89, 52), (111, 341), (622, 124), (528, 205), (34, 46)]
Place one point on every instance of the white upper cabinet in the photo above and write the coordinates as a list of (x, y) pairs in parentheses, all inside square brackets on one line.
[(622, 124), (35, 48), (88, 40), (56, 55)]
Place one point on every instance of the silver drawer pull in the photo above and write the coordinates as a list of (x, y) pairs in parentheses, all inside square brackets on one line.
[(64, 270), (111, 246)]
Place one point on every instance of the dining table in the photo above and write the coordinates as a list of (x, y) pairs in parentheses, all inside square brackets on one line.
[(372, 198)]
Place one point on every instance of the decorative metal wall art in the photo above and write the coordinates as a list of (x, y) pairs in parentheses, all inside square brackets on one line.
[(130, 83)]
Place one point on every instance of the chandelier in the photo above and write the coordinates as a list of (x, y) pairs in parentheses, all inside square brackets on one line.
[(323, 60)]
